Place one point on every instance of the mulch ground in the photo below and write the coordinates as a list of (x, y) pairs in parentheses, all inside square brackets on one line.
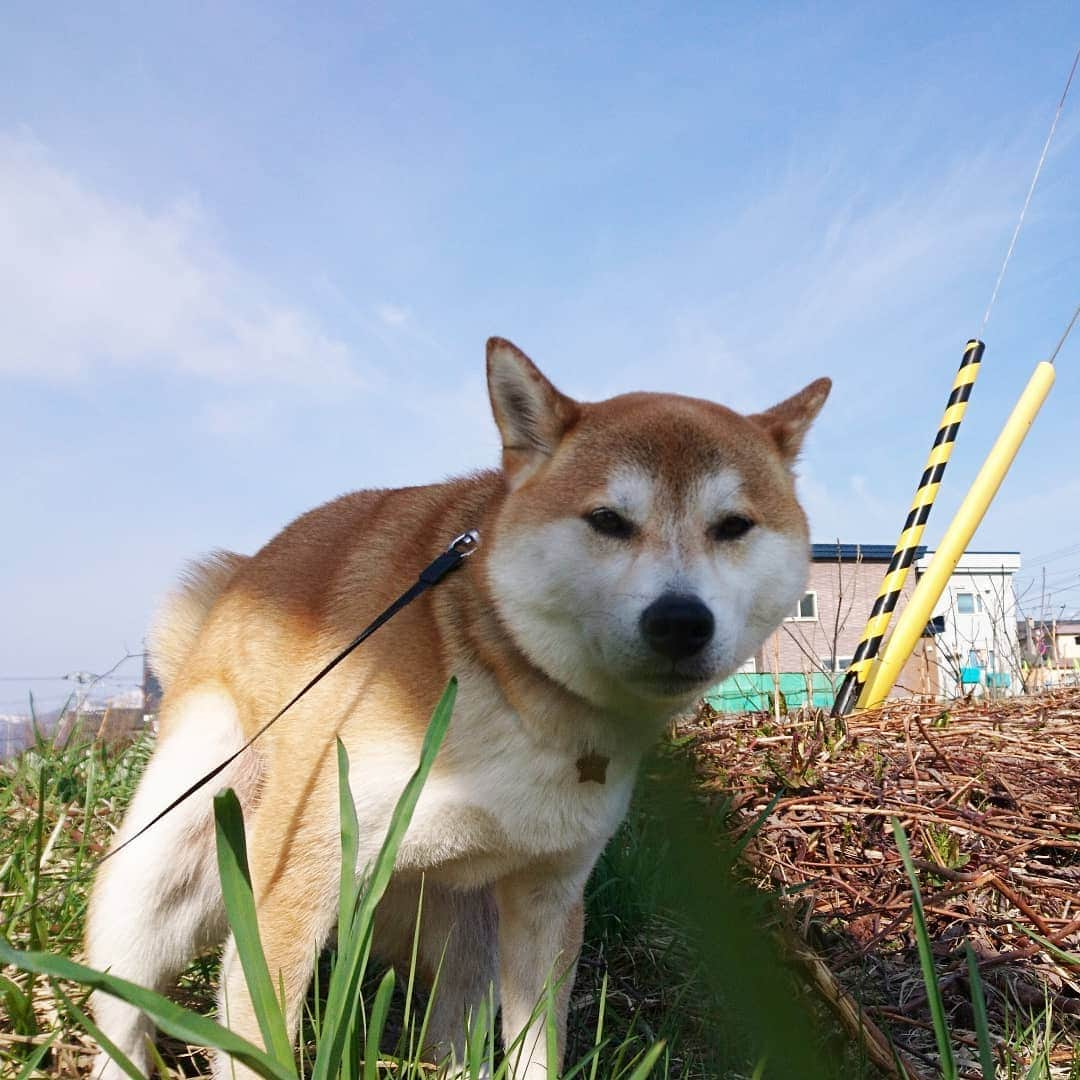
[(988, 794)]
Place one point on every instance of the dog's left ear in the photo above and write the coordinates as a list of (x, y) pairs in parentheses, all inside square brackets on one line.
[(531, 414), (789, 421)]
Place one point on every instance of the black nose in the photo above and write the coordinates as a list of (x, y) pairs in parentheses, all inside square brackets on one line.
[(677, 626)]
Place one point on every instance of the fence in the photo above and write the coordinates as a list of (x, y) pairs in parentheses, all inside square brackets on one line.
[(747, 692)]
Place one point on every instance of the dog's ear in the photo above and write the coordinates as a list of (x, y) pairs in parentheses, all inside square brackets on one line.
[(531, 414), (788, 422)]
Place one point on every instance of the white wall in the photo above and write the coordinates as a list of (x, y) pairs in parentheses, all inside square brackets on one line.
[(1067, 648), (982, 581)]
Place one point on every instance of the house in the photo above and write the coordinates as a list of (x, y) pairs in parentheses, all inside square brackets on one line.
[(977, 645), (971, 644), (813, 647), (1067, 641), (1051, 651)]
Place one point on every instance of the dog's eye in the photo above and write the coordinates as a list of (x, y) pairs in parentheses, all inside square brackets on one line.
[(610, 523), (731, 527)]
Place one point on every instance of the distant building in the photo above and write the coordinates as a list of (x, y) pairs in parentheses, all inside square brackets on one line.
[(1051, 649), (825, 628), (20, 732), (1067, 640), (812, 648), (978, 647), (971, 645)]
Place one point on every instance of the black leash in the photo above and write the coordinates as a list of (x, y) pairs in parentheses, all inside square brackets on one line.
[(461, 547)]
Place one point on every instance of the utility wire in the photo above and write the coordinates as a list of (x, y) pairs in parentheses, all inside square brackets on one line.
[(1054, 555), (32, 678), (1068, 329), (1031, 191)]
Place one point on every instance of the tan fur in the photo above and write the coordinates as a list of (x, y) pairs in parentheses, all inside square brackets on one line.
[(184, 611), (507, 829)]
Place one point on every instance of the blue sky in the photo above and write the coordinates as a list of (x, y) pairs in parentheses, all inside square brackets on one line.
[(254, 251)]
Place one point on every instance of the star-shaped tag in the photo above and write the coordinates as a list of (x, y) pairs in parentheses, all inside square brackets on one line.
[(592, 766)]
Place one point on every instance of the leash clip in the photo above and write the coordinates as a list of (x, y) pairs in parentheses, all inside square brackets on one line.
[(461, 547), (465, 544)]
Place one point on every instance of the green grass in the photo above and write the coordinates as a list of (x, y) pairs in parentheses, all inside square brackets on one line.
[(676, 978)]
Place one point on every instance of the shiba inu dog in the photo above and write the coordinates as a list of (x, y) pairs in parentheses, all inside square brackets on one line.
[(634, 552)]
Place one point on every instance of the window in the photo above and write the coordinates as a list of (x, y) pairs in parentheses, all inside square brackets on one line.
[(836, 663), (806, 611), (965, 603)]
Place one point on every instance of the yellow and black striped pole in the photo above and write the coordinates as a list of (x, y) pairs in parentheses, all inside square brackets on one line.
[(904, 552)]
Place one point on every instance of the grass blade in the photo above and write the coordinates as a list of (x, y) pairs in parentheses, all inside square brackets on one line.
[(37, 937), (380, 1009), (99, 1036), (756, 826), (163, 1070), (38, 1056), (645, 1066), (20, 1008), (350, 840), (551, 1033), (1071, 959), (173, 1019), (926, 959), (413, 956), (901, 1068), (348, 891), (476, 1039), (598, 1041), (240, 906), (744, 980), (978, 1007), (354, 941)]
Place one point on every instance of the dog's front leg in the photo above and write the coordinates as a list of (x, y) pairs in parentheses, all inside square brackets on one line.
[(541, 916)]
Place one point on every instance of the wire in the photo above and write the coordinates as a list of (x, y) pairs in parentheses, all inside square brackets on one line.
[(1072, 323), (1053, 556), (32, 678), (1031, 191)]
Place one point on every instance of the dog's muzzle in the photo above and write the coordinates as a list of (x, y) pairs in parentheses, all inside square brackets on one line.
[(677, 626)]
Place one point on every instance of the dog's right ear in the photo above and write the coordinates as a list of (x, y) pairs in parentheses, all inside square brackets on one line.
[(531, 414)]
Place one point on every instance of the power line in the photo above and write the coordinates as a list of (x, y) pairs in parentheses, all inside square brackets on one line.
[(1068, 329), (1051, 556), (32, 678), (1031, 191), (1063, 571)]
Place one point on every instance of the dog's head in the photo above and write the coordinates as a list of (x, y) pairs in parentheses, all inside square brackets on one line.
[(648, 544)]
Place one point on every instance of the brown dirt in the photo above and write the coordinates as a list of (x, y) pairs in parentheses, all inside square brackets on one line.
[(988, 793)]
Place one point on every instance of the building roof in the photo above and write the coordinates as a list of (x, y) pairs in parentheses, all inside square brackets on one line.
[(856, 552), (981, 562), (1063, 626), (970, 560)]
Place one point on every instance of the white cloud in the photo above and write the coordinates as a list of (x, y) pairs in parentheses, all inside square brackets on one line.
[(392, 314), (814, 264), (87, 280)]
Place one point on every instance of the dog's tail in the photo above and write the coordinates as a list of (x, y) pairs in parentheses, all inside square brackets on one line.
[(181, 616)]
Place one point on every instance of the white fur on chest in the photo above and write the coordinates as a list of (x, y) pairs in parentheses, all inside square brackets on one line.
[(501, 795)]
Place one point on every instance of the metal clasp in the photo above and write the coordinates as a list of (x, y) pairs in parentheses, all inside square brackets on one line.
[(465, 544)]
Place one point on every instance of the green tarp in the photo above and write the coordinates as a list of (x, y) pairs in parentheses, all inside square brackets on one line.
[(753, 693)]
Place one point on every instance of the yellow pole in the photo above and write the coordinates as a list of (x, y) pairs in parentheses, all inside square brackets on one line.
[(917, 612)]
